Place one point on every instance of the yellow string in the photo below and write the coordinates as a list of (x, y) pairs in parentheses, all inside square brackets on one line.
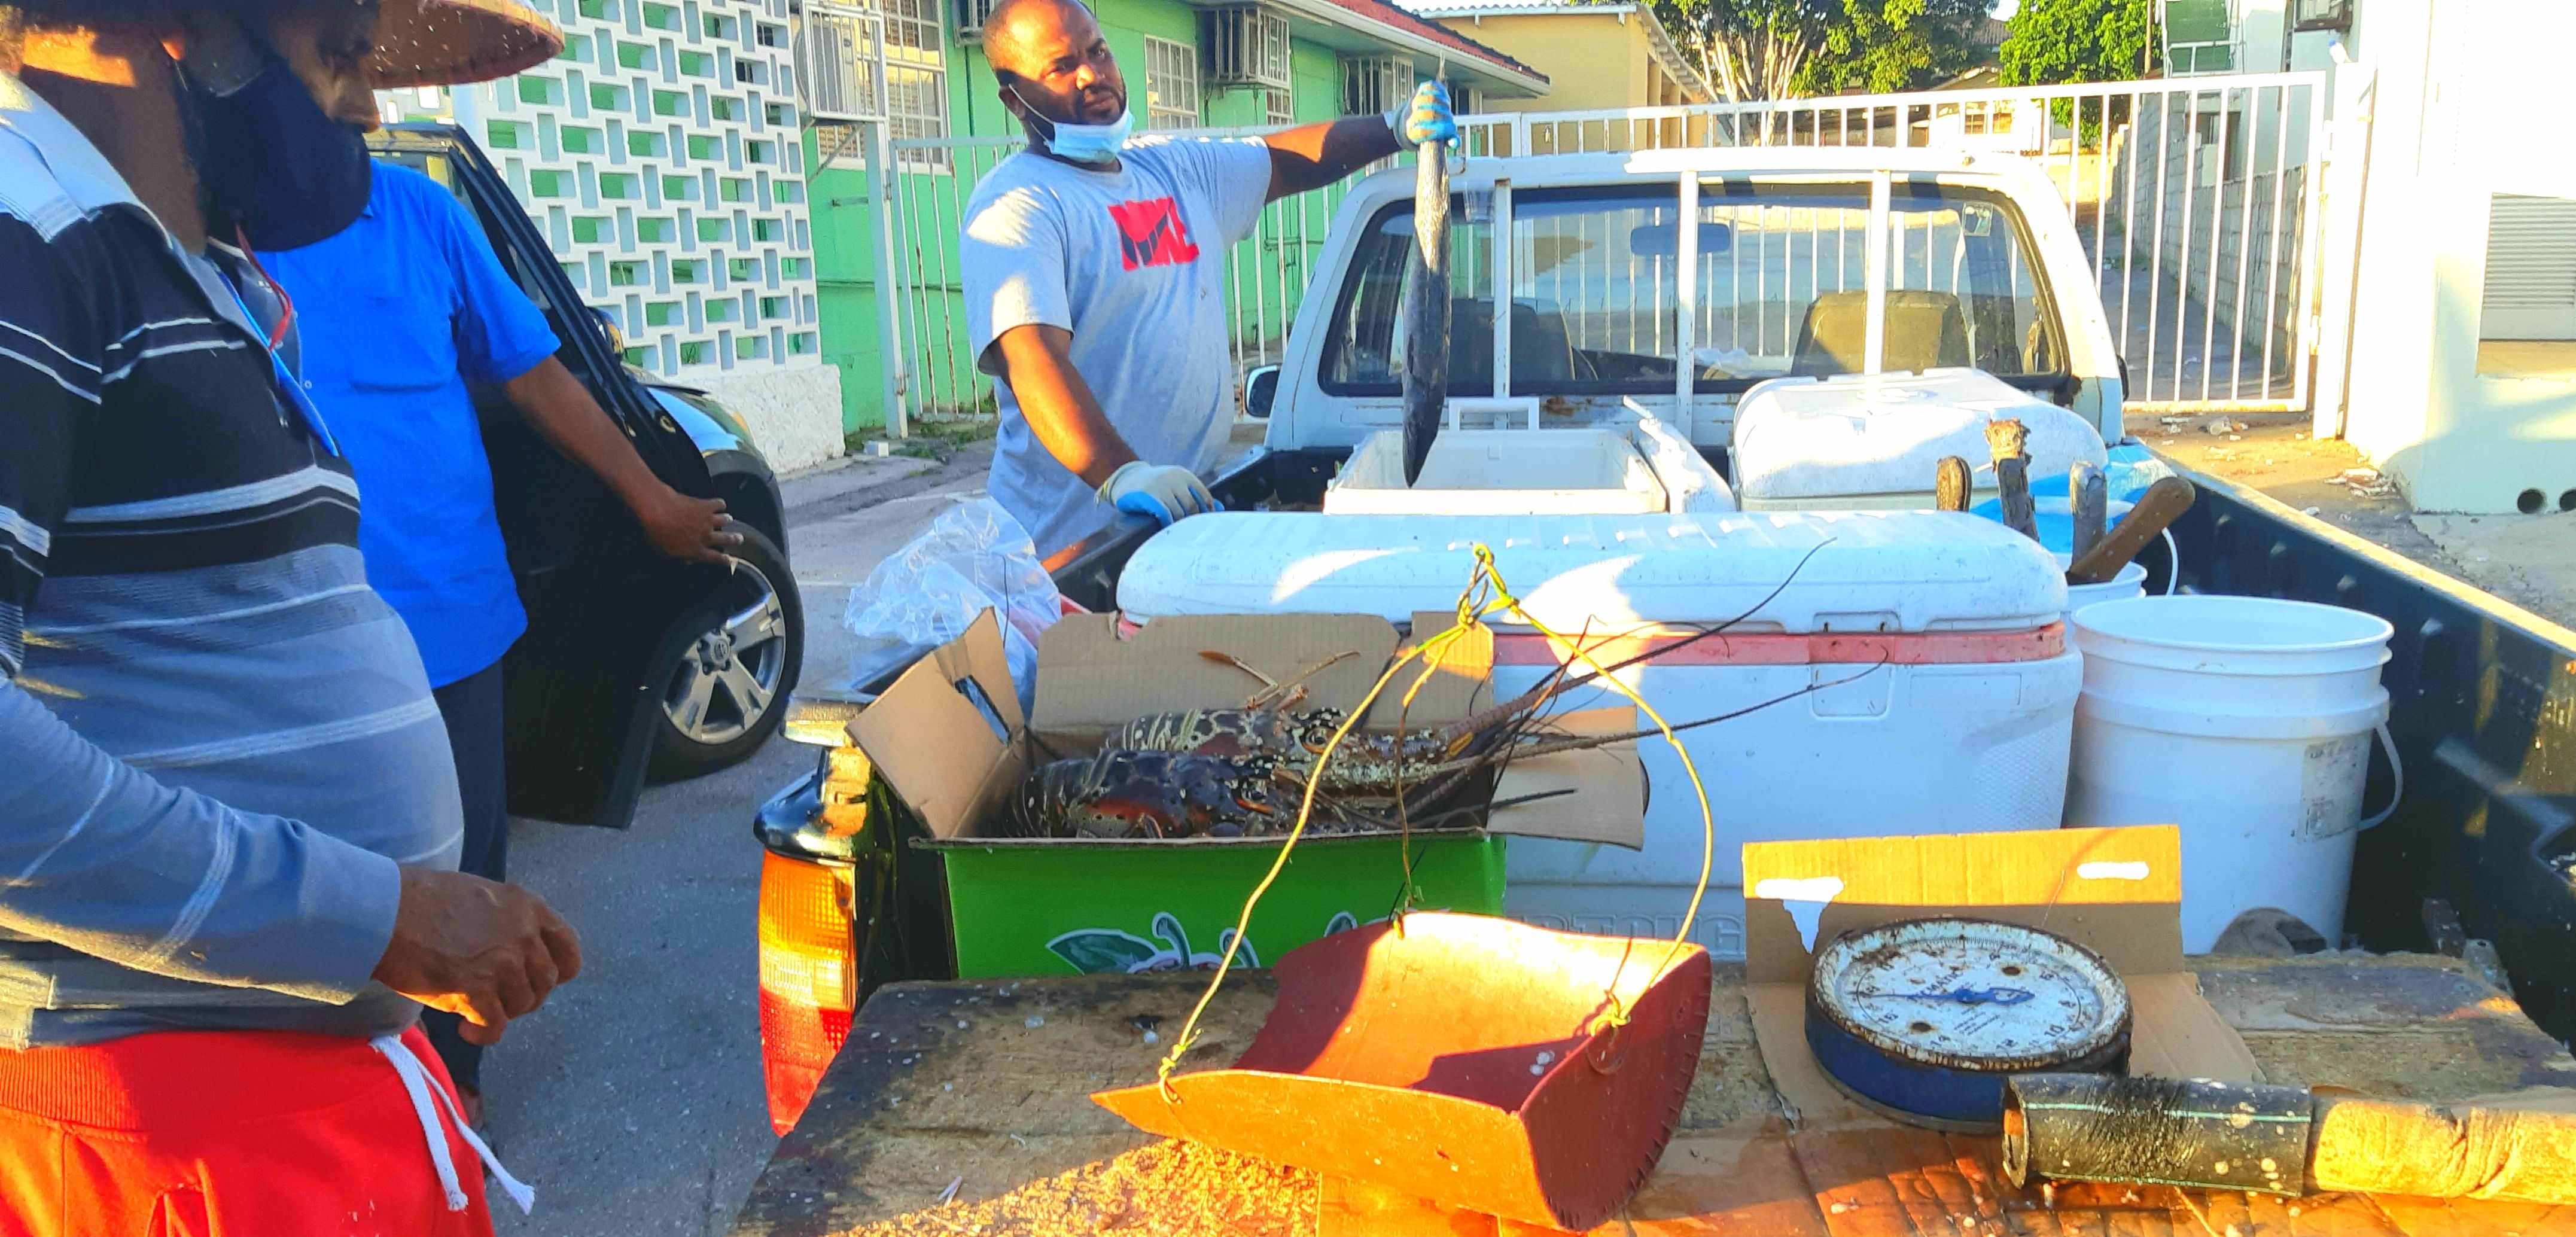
[(1617, 1013), (1486, 593), (1188, 1038)]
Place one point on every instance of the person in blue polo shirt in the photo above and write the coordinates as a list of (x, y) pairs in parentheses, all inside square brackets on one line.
[(397, 312)]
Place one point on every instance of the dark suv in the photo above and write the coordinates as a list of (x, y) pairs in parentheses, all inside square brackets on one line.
[(632, 662)]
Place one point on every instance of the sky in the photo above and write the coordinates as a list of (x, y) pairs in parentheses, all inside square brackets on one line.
[(2004, 9)]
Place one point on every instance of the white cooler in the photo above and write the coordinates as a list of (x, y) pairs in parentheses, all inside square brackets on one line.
[(1877, 440), (1964, 729)]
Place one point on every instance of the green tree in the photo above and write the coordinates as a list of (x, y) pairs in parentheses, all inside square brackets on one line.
[(1889, 45), (1775, 49), (2054, 41), (1750, 49)]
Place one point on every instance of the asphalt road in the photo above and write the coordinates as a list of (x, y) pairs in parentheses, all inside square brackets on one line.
[(633, 1100)]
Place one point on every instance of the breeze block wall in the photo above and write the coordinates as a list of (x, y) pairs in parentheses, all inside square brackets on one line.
[(661, 155)]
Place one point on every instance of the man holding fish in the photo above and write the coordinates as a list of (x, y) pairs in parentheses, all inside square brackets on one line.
[(1094, 270)]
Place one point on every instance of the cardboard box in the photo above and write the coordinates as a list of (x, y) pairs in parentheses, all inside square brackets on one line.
[(2115, 891), (1818, 1163), (949, 738)]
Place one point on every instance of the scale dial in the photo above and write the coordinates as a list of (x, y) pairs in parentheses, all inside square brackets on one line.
[(1924, 1019), (1972, 992)]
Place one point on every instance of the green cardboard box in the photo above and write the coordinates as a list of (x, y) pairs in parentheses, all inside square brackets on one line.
[(949, 739)]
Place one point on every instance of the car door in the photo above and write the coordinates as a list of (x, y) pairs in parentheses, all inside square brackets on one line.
[(603, 608)]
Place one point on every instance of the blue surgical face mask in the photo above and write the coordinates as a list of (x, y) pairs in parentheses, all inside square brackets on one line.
[(272, 158), (1081, 143)]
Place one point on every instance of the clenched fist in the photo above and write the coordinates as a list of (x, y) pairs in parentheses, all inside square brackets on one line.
[(484, 951)]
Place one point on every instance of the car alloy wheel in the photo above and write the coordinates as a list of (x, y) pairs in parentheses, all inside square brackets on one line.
[(728, 680), (726, 684)]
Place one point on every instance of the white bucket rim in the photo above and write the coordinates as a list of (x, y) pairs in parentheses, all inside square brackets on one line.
[(2132, 574), (2098, 620)]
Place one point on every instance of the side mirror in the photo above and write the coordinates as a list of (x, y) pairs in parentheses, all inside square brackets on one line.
[(1260, 387), (609, 330)]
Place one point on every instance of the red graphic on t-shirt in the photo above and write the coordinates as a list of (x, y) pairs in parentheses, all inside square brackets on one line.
[(1150, 234)]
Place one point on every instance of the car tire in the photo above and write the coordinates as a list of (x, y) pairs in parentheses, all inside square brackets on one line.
[(723, 689)]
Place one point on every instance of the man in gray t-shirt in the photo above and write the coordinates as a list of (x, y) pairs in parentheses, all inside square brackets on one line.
[(1095, 271)]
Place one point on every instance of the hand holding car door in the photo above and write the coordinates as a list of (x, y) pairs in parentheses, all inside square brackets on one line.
[(404, 307)]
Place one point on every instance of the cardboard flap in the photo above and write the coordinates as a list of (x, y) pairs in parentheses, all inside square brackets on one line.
[(1452, 683), (1608, 803), (932, 736), (2117, 892), (1093, 678)]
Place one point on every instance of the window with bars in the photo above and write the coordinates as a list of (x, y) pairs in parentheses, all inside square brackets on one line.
[(1375, 85), (916, 77), (1278, 108), (1247, 46), (1171, 85)]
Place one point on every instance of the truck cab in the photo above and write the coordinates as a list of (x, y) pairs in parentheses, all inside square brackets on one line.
[(1802, 263)]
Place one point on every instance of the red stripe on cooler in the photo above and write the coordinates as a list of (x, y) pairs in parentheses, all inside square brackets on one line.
[(1666, 647)]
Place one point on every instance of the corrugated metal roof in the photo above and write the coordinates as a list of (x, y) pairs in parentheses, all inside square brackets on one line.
[(1666, 52), (1462, 8), (1410, 19)]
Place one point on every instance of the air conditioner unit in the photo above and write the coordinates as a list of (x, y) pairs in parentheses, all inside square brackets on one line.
[(971, 16), (2320, 14), (1247, 45), (841, 63), (1375, 85)]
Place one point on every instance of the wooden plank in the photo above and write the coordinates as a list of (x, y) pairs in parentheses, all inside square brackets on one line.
[(2088, 498), (985, 1083), (1952, 484), (1001, 1105)]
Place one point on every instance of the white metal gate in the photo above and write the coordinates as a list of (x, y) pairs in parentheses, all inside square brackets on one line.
[(2197, 199)]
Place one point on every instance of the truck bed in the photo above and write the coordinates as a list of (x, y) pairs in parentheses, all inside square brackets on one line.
[(2482, 698), (983, 1089)]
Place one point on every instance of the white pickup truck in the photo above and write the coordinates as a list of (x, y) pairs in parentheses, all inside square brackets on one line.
[(1942, 682), (1904, 296)]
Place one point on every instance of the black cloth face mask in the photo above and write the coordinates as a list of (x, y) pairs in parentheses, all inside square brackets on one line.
[(272, 160)]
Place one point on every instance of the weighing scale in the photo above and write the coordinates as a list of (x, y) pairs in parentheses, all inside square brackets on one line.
[(1922, 1020)]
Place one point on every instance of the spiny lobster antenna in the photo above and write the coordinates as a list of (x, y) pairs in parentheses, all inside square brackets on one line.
[(1557, 682)]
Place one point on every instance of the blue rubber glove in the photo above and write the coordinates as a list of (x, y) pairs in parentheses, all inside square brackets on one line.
[(1426, 119), (1165, 492)]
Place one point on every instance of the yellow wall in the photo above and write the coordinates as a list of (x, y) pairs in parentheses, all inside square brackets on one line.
[(1592, 60)]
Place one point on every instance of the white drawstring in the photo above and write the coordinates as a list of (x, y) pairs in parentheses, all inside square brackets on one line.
[(417, 1085)]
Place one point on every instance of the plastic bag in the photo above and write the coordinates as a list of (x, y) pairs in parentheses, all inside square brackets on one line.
[(2131, 469), (973, 558)]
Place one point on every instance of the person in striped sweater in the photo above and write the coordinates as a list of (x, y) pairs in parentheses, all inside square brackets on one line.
[(228, 814)]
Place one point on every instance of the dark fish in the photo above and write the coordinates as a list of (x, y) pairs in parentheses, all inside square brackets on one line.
[(1426, 327)]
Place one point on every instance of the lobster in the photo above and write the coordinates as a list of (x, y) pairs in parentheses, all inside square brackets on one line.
[(1290, 742), (1241, 772), (1131, 794)]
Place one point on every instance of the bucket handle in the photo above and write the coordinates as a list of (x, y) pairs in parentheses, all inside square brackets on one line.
[(2397, 770)]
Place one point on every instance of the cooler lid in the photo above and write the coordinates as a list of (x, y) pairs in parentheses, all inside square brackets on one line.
[(1893, 571), (1858, 434)]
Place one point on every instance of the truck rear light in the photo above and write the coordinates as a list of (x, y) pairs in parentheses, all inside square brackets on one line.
[(809, 985)]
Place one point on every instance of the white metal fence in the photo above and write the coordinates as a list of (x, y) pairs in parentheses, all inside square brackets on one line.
[(2197, 200)]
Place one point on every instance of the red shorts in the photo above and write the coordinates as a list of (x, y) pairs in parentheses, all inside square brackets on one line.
[(208, 1133)]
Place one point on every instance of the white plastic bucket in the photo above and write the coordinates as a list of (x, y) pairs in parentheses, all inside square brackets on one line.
[(2131, 582), (2247, 722)]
